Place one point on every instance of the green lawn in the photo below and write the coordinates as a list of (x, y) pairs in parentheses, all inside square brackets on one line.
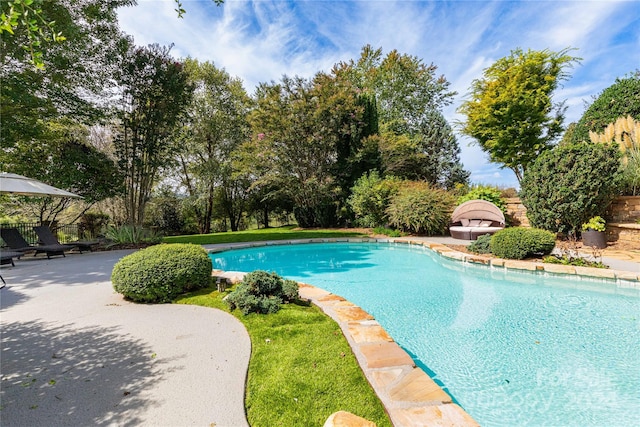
[(260, 235), (301, 370)]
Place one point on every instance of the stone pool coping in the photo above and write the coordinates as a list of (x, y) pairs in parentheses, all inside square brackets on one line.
[(411, 397)]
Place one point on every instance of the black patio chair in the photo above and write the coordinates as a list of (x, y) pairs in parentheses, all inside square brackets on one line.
[(6, 257), (47, 237), (15, 241)]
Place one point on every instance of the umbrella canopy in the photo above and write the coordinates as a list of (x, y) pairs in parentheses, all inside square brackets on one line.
[(21, 185)]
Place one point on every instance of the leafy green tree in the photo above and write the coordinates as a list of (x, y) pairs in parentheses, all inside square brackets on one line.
[(65, 160), (621, 99), (302, 128), (286, 152), (416, 141), (164, 211), (569, 184), (405, 88), (429, 154), (511, 114), (29, 18), (155, 93), (346, 118), (216, 126), (76, 71), (267, 201)]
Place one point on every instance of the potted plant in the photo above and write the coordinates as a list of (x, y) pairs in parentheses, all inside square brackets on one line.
[(593, 233)]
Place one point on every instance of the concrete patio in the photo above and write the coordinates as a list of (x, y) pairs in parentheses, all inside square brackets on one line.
[(75, 353)]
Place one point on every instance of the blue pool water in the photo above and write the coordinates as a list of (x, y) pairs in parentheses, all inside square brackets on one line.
[(513, 349)]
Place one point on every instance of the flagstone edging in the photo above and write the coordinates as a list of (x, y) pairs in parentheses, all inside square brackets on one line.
[(409, 395)]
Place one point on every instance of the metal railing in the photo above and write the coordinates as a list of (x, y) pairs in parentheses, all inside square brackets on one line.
[(64, 232)]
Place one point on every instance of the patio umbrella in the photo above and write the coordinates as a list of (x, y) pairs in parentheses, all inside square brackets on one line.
[(21, 185)]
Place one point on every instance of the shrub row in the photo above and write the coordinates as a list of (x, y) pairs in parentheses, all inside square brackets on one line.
[(411, 206)]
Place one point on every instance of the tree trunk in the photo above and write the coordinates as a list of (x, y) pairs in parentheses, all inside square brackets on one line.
[(265, 218)]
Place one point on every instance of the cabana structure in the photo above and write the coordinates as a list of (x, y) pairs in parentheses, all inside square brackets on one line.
[(476, 218)]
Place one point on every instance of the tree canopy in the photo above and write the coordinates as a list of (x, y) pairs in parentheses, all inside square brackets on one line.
[(415, 140), (30, 18), (72, 85), (511, 114)]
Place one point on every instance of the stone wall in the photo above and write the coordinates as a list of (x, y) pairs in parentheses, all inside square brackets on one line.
[(621, 217), (624, 209), (516, 213)]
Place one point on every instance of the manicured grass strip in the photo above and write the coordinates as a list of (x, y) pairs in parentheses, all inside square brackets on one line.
[(282, 233), (301, 368)]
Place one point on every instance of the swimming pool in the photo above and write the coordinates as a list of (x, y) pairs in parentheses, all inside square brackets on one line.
[(512, 348)]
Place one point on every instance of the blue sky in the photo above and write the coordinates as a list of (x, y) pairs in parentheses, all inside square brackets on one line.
[(262, 40)]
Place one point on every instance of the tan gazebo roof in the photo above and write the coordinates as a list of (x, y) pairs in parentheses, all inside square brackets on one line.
[(478, 209)]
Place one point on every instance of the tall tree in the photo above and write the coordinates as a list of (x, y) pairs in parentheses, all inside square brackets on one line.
[(415, 140), (511, 114), (429, 153), (155, 93), (29, 18), (301, 129), (405, 88), (216, 125)]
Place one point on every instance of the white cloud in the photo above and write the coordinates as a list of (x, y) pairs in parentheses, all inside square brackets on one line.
[(576, 24)]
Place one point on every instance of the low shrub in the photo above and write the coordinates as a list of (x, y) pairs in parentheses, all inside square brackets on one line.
[(421, 208), (370, 197), (578, 261), (128, 234), (387, 232), (262, 292), (519, 242), (161, 273), (482, 245)]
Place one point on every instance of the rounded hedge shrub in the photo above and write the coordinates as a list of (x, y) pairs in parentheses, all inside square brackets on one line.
[(420, 208), (262, 292), (569, 184), (162, 272), (519, 242)]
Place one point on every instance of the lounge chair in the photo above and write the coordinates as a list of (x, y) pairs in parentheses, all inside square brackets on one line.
[(6, 257), (15, 241), (47, 237), (476, 218)]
